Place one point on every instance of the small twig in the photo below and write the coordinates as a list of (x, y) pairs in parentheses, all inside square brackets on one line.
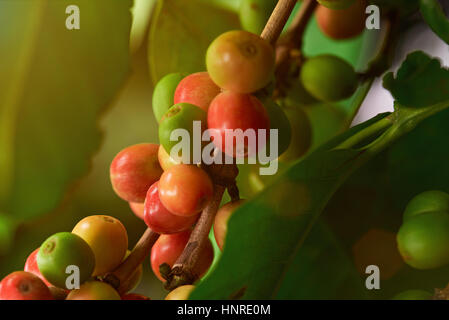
[(183, 270), (277, 20), (288, 49), (132, 262), (293, 38)]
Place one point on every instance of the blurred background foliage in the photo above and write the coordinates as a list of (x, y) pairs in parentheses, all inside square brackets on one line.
[(70, 100)]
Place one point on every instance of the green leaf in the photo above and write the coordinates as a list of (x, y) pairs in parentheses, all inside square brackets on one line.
[(435, 17), (321, 270), (266, 233), (180, 33), (420, 81), (54, 85)]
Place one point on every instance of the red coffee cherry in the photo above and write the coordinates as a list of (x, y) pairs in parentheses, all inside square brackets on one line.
[(234, 111), (134, 170), (185, 190), (21, 285), (169, 247), (197, 89), (159, 219)]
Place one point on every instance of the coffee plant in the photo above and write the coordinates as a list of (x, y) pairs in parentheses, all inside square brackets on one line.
[(347, 210)]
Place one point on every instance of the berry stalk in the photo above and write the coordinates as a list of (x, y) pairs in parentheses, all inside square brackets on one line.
[(135, 259), (277, 20)]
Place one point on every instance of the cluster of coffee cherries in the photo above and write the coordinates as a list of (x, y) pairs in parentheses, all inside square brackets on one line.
[(68, 265)]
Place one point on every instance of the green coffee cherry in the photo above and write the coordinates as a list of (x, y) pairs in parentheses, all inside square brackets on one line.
[(413, 295), (428, 201), (254, 14), (61, 250), (423, 240), (279, 121), (329, 78), (301, 134), (297, 95), (181, 116), (336, 4), (163, 94)]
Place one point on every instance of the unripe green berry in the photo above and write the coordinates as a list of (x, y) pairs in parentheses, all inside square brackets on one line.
[(181, 116), (254, 14), (423, 240), (61, 250), (329, 78), (427, 201), (163, 95)]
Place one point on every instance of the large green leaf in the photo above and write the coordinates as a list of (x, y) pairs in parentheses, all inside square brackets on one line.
[(266, 233), (436, 18), (321, 270), (54, 84), (181, 31)]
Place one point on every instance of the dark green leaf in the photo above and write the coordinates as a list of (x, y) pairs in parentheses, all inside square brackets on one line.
[(420, 81), (436, 18)]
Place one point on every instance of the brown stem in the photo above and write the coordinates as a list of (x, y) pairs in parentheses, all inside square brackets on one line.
[(132, 262), (293, 37), (277, 20), (183, 271), (288, 49)]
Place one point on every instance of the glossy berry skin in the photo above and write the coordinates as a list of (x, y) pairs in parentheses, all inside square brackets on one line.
[(134, 170), (329, 78), (137, 209), (62, 250), (233, 111), (134, 296), (163, 95), (423, 240), (159, 219), (337, 4), (301, 136), (180, 293), (413, 295), (108, 239), (94, 290), (427, 201), (240, 61), (197, 89), (133, 281), (165, 160), (169, 247), (185, 190), (181, 116), (254, 14), (32, 267), (342, 24), (221, 221), (21, 285)]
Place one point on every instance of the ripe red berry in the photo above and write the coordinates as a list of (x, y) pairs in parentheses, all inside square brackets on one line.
[(159, 219), (134, 170), (169, 247), (342, 24), (185, 190), (21, 285), (31, 266), (197, 89), (234, 111)]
